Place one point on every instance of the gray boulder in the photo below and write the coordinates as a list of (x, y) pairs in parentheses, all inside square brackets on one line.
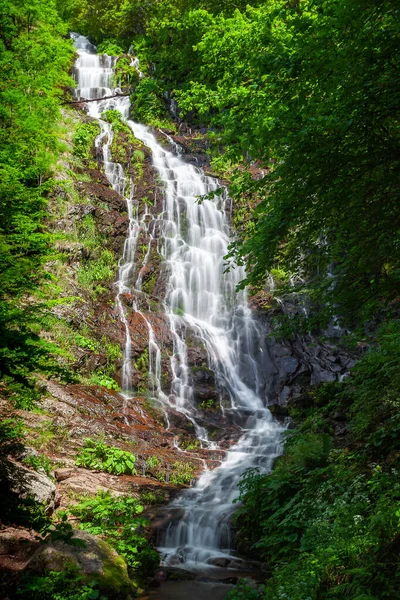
[(26, 483)]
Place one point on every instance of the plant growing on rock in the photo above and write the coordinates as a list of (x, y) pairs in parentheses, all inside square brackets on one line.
[(11, 431), (84, 138), (63, 585), (181, 473), (99, 456), (104, 380), (142, 362), (39, 462), (118, 520)]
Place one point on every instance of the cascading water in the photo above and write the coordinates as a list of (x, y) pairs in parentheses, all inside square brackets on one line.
[(201, 298)]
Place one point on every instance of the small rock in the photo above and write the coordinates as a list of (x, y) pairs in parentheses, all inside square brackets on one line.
[(62, 474)]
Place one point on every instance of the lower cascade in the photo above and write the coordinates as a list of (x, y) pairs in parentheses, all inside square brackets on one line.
[(200, 298)]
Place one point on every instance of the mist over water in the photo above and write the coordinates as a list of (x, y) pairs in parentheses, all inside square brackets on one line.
[(201, 298)]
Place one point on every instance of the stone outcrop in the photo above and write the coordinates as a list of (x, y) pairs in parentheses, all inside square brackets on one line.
[(25, 483)]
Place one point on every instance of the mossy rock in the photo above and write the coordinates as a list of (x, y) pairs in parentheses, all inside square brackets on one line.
[(97, 561)]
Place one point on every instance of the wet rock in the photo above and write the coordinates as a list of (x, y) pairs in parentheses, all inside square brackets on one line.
[(278, 410), (220, 562), (25, 483), (203, 382), (95, 559), (175, 574), (289, 364), (162, 517)]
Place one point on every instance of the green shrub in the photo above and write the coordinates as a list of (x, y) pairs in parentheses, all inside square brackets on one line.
[(119, 521), (99, 270), (153, 462), (98, 378), (83, 342), (243, 591), (181, 473), (98, 456), (115, 118), (110, 47), (11, 430), (125, 75), (148, 104), (68, 584), (84, 137)]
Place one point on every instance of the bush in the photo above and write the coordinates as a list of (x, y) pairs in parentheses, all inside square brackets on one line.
[(11, 431), (100, 270), (181, 473), (148, 104), (63, 585), (118, 520), (84, 139), (105, 381), (98, 456)]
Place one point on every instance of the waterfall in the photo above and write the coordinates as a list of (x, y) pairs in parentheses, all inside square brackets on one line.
[(201, 298)]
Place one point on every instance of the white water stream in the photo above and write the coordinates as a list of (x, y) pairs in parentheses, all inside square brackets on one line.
[(201, 298)]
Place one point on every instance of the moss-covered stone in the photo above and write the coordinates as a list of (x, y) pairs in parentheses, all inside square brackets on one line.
[(96, 560)]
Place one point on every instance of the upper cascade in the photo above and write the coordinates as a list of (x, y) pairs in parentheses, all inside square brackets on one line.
[(200, 298)]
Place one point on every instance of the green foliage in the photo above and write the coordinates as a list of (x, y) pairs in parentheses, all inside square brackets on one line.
[(148, 105), (84, 137), (25, 512), (84, 342), (99, 456), (35, 58), (190, 444), (39, 462), (181, 473), (110, 47), (243, 591), (156, 497), (375, 395), (277, 84), (68, 584), (206, 404), (118, 520), (126, 76), (326, 519), (100, 270), (115, 118), (152, 462), (142, 362), (11, 431), (98, 378)]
